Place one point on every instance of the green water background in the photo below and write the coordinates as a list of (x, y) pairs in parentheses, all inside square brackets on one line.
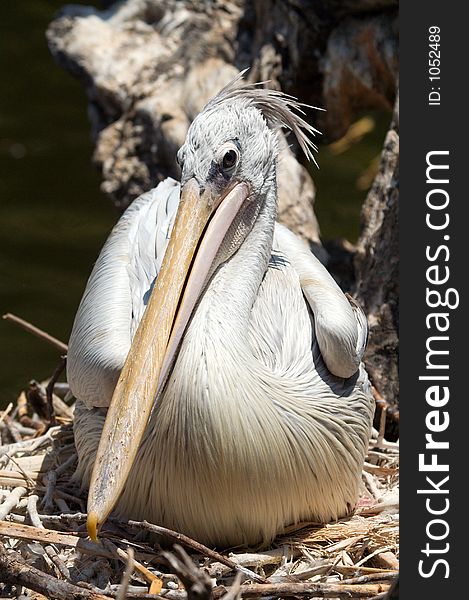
[(53, 218)]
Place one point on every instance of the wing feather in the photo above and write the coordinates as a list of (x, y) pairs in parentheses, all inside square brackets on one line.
[(117, 292), (340, 324)]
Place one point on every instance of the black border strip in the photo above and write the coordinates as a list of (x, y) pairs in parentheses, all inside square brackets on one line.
[(433, 253)]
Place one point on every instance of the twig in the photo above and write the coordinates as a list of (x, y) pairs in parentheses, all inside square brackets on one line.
[(11, 501), (49, 479), (154, 581), (66, 496), (196, 581), (49, 536), (392, 411), (371, 485), (382, 425), (386, 560), (129, 569), (31, 483), (31, 445), (12, 429), (63, 518), (376, 470), (364, 570), (180, 538), (23, 416), (235, 590), (269, 557), (111, 592), (6, 412), (36, 331), (369, 556), (51, 552), (40, 397), (13, 478), (370, 578), (321, 590), (50, 387), (15, 571)]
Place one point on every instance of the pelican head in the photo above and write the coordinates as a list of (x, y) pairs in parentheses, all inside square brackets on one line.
[(228, 164)]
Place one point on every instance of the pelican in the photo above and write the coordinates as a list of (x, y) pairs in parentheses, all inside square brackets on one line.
[(215, 361)]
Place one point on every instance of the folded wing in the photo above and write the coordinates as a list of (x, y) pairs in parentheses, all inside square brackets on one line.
[(117, 293)]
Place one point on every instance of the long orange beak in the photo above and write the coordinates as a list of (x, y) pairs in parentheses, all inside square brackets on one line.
[(200, 226)]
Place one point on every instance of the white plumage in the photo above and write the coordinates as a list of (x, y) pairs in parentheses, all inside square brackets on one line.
[(265, 416)]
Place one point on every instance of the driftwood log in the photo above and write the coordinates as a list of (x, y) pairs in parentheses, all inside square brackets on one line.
[(149, 66)]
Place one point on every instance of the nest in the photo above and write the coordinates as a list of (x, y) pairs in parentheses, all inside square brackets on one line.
[(45, 551)]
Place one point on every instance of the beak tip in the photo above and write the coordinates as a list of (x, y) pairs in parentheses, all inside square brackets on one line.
[(92, 526)]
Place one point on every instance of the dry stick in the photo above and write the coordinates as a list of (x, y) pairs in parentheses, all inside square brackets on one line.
[(22, 430), (50, 480), (51, 552), (36, 331), (37, 400), (13, 479), (196, 582), (71, 539), (6, 412), (382, 425), (112, 593), (50, 387), (15, 571), (6, 456), (127, 575), (392, 411), (371, 485), (180, 538), (374, 469), (23, 416), (244, 559), (11, 501), (235, 589), (61, 408), (386, 560), (66, 496), (12, 430), (50, 536), (30, 445), (321, 590), (144, 572), (370, 578), (30, 482), (370, 556), (364, 570), (66, 517)]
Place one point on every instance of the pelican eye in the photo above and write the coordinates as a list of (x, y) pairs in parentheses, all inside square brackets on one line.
[(229, 160), (229, 157)]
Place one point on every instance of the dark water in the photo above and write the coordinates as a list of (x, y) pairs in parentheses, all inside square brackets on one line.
[(341, 177), (54, 220)]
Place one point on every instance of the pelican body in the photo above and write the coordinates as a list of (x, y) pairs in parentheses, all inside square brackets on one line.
[(215, 361)]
